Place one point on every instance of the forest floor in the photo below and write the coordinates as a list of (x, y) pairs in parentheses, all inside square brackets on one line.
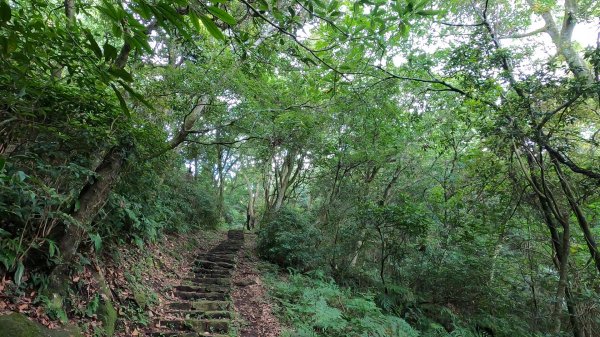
[(252, 305)]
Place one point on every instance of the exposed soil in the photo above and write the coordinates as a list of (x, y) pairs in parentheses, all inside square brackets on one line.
[(253, 308)]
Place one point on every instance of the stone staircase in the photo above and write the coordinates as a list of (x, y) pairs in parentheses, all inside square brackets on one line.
[(204, 307)]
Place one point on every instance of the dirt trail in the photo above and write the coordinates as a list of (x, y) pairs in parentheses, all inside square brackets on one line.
[(252, 306)]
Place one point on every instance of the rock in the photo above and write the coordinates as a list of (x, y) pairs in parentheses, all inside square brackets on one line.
[(106, 311), (108, 315), (140, 298), (18, 325)]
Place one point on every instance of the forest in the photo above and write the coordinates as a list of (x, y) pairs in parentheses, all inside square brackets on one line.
[(321, 168)]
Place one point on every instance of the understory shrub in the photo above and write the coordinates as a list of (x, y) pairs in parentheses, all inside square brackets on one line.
[(288, 239)]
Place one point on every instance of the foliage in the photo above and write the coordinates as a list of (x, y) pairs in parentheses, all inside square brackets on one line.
[(316, 306), (288, 239)]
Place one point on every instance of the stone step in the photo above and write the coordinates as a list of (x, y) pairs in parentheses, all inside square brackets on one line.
[(173, 334), (200, 274), (198, 325), (214, 265), (191, 296), (222, 281), (205, 306), (220, 273), (202, 305), (184, 334), (218, 258), (195, 314), (225, 251), (204, 288)]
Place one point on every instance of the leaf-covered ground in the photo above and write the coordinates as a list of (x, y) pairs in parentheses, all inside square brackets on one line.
[(252, 305)]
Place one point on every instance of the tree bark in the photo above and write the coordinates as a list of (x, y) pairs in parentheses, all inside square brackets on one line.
[(92, 198)]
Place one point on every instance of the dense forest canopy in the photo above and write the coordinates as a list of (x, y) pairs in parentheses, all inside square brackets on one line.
[(441, 158)]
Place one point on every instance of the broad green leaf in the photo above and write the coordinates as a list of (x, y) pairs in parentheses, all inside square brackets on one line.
[(430, 12), (121, 100), (136, 95), (121, 73), (212, 27), (96, 240), (93, 45), (19, 273), (52, 248), (195, 21), (223, 15), (110, 52), (2, 163)]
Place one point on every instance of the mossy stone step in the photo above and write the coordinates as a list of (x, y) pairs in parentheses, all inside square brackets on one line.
[(198, 325), (195, 314), (220, 281), (228, 246), (226, 252), (191, 296), (203, 288), (183, 334), (218, 258), (214, 265), (213, 272), (202, 305), (173, 334)]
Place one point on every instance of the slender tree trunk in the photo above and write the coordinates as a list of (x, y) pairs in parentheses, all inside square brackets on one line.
[(220, 177), (577, 330), (70, 9), (581, 219)]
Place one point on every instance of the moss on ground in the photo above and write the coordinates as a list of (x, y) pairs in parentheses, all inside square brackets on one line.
[(18, 325)]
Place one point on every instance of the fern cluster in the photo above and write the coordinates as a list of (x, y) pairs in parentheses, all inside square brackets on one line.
[(317, 306)]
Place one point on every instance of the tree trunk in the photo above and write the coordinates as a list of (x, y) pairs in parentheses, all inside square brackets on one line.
[(92, 198), (581, 219), (250, 213), (220, 177)]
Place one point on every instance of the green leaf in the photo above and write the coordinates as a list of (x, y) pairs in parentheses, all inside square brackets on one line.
[(223, 15), (22, 176), (19, 273), (121, 100), (142, 40), (212, 27), (110, 52), (52, 248), (121, 73), (97, 240), (2, 163), (404, 29), (430, 12), (5, 12), (195, 21), (136, 95), (93, 45)]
